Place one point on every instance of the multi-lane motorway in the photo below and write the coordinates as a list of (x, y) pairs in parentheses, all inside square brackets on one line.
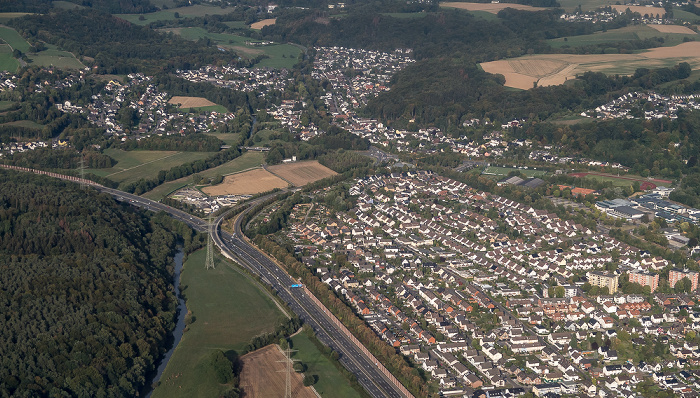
[(370, 375)]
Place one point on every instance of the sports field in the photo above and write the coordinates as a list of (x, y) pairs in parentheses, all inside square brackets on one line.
[(133, 165), (247, 183), (553, 69), (504, 171), (672, 35), (331, 382), (624, 180), (301, 173), (229, 310)]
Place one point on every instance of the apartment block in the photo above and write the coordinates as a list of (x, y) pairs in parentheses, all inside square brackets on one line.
[(645, 279), (603, 280), (675, 275)]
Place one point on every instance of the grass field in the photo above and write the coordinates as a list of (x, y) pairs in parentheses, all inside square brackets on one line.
[(209, 108), (405, 15), (493, 8), (227, 138), (503, 171), (229, 311), (11, 37), (331, 382), (6, 16), (7, 61), (197, 10), (236, 24), (5, 105), (628, 33), (281, 55), (57, 58), (25, 123), (624, 180), (243, 162), (66, 5), (133, 165)]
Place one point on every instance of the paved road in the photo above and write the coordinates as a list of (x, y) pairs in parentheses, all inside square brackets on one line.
[(328, 332)]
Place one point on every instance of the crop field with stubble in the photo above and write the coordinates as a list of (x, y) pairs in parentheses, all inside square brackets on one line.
[(552, 69)]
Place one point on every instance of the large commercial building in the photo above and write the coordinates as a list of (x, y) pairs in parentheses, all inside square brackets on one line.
[(603, 280), (675, 275), (645, 279)]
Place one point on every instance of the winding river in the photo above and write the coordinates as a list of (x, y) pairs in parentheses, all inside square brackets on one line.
[(179, 326)]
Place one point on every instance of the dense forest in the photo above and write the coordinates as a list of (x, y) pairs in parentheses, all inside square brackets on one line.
[(86, 298), (44, 6), (116, 45), (194, 142)]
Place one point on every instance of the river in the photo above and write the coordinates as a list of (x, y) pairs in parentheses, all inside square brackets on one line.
[(179, 326)]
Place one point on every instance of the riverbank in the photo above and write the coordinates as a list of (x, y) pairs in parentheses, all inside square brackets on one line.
[(225, 312)]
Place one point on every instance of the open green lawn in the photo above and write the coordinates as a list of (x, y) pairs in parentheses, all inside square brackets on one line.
[(6, 16), (489, 16), (5, 105), (198, 10), (503, 171), (66, 5), (25, 123), (208, 108), (7, 61), (56, 58), (243, 162), (229, 311), (685, 16), (280, 55), (331, 383), (628, 33), (11, 37), (134, 165), (620, 182), (227, 138)]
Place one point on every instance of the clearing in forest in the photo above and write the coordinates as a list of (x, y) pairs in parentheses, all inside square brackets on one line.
[(262, 375), (247, 183), (263, 23), (191, 102), (301, 173)]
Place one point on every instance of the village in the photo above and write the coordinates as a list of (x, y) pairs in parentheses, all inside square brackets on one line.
[(522, 300), (648, 105)]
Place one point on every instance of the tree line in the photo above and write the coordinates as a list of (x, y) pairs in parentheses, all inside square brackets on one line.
[(87, 300)]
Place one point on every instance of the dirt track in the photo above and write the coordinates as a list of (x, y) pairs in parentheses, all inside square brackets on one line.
[(262, 375)]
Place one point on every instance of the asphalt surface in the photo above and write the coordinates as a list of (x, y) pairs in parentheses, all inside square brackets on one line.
[(367, 372)]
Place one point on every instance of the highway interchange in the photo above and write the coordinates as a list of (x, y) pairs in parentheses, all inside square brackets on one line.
[(367, 371)]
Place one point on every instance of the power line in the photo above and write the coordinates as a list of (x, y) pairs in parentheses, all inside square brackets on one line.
[(290, 365)]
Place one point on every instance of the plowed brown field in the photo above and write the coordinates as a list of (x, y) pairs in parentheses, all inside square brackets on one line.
[(263, 375)]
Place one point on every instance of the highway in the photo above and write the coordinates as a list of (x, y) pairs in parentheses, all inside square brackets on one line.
[(371, 375)]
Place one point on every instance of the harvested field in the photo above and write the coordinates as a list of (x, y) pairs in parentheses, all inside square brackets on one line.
[(263, 23), (261, 376), (301, 173), (642, 10), (493, 8), (191, 102), (673, 29), (247, 183), (551, 69)]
